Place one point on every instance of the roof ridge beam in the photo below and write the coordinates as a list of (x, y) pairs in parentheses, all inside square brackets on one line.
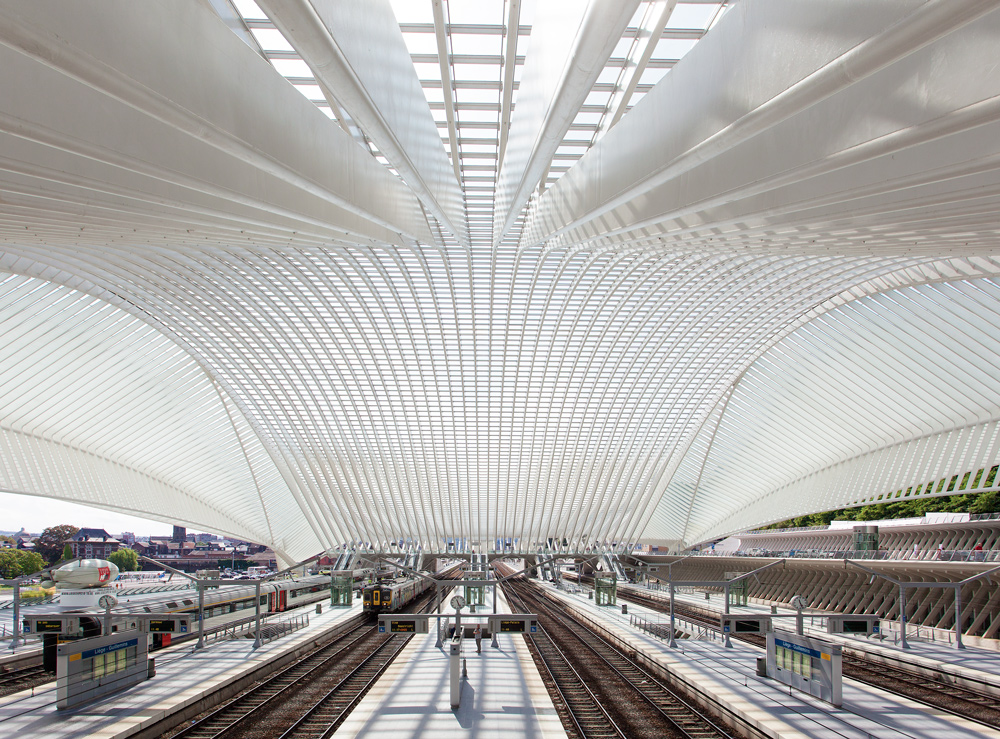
[(648, 35), (357, 52), (617, 170), (209, 123), (575, 41)]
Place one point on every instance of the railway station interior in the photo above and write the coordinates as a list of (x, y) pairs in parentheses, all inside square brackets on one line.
[(512, 328)]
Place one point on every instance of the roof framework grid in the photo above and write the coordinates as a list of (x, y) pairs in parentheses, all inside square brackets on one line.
[(770, 227), (358, 53)]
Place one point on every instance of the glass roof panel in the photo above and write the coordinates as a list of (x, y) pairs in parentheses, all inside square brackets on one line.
[(292, 67), (408, 11), (421, 43), (270, 39), (673, 48), (249, 10)]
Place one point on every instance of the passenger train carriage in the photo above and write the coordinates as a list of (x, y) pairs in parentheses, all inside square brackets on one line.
[(391, 595), (222, 605), (274, 598)]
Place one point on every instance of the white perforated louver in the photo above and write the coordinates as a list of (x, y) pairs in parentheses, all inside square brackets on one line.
[(385, 297), (99, 407)]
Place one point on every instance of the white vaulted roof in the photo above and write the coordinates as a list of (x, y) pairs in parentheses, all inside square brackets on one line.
[(310, 273)]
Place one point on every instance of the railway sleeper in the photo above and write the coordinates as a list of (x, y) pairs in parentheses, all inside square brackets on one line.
[(689, 691), (237, 685)]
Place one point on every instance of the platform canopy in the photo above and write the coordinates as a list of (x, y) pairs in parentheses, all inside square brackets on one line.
[(316, 272)]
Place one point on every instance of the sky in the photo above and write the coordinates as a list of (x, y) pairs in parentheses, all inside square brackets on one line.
[(35, 514)]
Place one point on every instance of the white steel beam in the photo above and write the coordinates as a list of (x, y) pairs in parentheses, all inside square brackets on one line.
[(187, 118), (444, 63), (509, 64), (714, 136), (358, 52), (654, 20), (569, 45)]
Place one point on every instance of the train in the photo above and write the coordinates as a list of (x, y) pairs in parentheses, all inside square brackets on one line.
[(391, 595), (235, 602), (275, 597)]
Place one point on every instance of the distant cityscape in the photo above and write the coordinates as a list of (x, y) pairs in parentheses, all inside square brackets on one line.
[(180, 550)]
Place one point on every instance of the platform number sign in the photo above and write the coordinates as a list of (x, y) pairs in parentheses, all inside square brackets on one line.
[(44, 627)]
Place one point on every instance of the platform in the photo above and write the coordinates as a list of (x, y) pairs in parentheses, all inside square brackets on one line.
[(729, 677), (503, 697), (972, 667), (184, 676), (27, 654)]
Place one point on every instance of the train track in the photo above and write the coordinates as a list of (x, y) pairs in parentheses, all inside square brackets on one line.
[(962, 702), (312, 696), (23, 678), (604, 691), (325, 716)]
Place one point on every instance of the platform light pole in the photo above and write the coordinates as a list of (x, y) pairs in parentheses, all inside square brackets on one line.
[(256, 641), (672, 643), (16, 584), (670, 582), (955, 585)]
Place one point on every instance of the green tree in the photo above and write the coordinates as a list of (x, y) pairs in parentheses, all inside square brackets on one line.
[(31, 563), (67, 552), (17, 562), (50, 544), (987, 503), (125, 560), (9, 565)]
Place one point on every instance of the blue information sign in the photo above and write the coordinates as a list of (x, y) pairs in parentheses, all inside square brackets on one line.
[(109, 648), (798, 648)]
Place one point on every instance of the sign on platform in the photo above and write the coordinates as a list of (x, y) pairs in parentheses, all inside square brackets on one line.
[(745, 624), (810, 665), (403, 624), (514, 624), (51, 625), (853, 623), (89, 669)]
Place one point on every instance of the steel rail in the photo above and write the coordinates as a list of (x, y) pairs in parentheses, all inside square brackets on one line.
[(303, 728), (568, 671), (202, 729), (329, 725), (683, 715), (859, 664)]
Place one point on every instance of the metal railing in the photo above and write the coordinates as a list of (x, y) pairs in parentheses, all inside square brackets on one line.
[(984, 516), (787, 529), (901, 554), (660, 628), (27, 600), (272, 626)]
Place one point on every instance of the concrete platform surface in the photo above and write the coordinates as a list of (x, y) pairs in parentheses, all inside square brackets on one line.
[(729, 676), (976, 666), (503, 697), (183, 676)]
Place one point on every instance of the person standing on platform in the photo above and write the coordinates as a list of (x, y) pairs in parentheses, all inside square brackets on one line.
[(479, 639)]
